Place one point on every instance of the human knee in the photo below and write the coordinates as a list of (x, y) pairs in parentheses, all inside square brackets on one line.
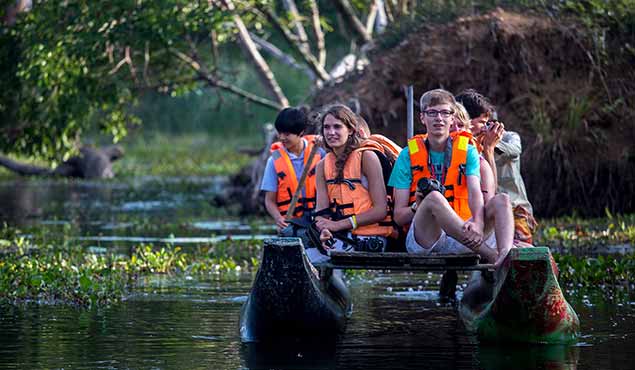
[(501, 200), (433, 200)]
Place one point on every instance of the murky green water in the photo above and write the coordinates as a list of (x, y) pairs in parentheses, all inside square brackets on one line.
[(191, 322), (182, 323)]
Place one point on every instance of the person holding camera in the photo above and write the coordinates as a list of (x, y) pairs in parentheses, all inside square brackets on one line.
[(499, 221), (446, 219), (502, 150), (351, 193)]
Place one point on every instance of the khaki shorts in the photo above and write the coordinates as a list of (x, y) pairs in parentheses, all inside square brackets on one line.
[(444, 245)]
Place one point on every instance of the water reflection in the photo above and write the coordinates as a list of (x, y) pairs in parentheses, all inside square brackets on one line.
[(318, 354), (191, 323), (148, 205), (548, 357)]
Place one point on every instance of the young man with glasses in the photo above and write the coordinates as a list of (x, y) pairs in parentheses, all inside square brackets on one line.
[(448, 223)]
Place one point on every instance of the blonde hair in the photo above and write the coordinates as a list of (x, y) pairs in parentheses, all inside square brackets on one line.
[(436, 97), (462, 115)]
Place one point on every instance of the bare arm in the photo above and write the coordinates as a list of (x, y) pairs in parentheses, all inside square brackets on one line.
[(321, 191), (272, 208), (475, 200), (491, 140), (488, 182), (371, 169), (402, 214)]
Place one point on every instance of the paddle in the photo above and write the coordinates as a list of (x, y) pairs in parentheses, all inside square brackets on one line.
[(298, 191)]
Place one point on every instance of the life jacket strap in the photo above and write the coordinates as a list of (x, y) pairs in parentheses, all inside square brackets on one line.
[(349, 182)]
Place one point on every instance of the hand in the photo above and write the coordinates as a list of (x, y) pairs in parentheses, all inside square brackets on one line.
[(472, 234), (325, 235), (492, 136), (418, 197), (324, 223), (281, 222)]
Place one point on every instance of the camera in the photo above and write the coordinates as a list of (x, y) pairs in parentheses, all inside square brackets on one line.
[(371, 244), (426, 185), (492, 120)]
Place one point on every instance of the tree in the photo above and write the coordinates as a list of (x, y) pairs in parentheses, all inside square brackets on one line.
[(73, 65)]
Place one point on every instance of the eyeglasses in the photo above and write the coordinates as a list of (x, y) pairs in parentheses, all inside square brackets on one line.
[(433, 113)]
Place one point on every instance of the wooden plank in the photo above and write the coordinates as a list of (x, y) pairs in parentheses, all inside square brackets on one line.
[(388, 259), (406, 267)]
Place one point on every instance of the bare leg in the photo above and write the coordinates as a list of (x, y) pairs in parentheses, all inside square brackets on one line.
[(498, 213), (435, 214)]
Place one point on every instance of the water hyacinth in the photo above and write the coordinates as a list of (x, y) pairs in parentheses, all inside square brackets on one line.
[(79, 276)]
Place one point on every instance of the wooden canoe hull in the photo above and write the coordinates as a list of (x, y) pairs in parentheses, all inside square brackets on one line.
[(287, 299), (522, 303)]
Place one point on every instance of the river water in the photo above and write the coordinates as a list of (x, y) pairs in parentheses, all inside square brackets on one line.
[(190, 322)]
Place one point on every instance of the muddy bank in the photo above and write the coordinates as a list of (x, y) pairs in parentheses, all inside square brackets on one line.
[(566, 89)]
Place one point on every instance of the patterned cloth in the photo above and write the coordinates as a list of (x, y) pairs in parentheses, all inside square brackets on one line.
[(524, 225)]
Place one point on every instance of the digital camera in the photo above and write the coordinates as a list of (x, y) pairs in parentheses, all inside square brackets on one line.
[(374, 245), (426, 185)]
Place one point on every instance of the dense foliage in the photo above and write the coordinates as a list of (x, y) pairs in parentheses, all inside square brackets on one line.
[(69, 66)]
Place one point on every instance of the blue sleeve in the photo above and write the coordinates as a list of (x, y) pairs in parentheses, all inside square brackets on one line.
[(401, 175), (269, 178), (473, 165)]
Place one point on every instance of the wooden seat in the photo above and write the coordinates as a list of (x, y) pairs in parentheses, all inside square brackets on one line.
[(402, 261)]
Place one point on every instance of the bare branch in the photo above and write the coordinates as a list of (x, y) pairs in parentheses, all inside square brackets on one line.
[(217, 82), (281, 56), (146, 63), (382, 18), (290, 6), (214, 41), (262, 68), (317, 31), (345, 8), (403, 7), (126, 60), (370, 20), (308, 57), (388, 6), (133, 70)]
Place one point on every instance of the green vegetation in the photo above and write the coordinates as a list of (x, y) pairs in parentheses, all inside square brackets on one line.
[(49, 268), (596, 271), (185, 155), (573, 231), (31, 270)]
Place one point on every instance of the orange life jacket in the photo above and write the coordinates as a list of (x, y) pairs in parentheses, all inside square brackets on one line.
[(288, 181), (390, 149), (455, 167), (348, 197)]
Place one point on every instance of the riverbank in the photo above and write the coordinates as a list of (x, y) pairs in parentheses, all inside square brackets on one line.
[(176, 155)]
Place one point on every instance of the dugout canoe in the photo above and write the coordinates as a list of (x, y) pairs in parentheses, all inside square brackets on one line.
[(521, 301), (288, 300)]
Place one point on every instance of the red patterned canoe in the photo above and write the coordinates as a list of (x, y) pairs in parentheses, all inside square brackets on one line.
[(522, 301)]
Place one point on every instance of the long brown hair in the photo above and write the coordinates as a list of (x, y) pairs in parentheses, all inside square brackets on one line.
[(350, 120)]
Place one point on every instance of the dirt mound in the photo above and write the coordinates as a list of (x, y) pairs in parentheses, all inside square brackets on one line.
[(552, 83)]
